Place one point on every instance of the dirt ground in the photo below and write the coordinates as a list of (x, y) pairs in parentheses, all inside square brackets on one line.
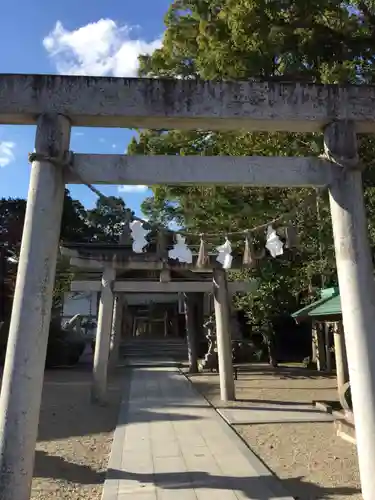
[(309, 458), (74, 437)]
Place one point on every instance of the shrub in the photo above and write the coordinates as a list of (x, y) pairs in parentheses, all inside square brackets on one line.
[(65, 347)]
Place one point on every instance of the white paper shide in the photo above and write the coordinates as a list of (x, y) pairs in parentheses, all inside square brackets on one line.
[(138, 234), (181, 251), (273, 243), (225, 254)]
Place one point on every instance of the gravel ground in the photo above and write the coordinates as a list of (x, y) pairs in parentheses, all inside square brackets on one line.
[(310, 459), (74, 437)]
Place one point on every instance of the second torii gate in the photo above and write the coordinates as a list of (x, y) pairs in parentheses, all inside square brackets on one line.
[(56, 103), (110, 260)]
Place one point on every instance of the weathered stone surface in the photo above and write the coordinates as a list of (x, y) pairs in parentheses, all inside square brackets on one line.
[(355, 270), (184, 104), (169, 287), (22, 382), (102, 340), (225, 170)]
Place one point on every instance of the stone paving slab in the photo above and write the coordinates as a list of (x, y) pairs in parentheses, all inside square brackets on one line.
[(171, 444), (265, 413)]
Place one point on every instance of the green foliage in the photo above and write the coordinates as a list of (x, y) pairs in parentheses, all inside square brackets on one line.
[(64, 276), (106, 219), (12, 214), (320, 41), (74, 224), (102, 223), (64, 346)]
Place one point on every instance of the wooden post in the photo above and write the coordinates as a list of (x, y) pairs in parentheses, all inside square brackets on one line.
[(320, 351), (357, 288), (223, 335), (326, 327), (314, 344), (22, 384), (102, 342), (199, 320), (342, 370), (191, 332)]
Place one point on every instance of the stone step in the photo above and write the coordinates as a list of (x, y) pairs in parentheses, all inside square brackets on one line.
[(155, 348), (345, 430), (154, 342), (142, 353), (160, 340)]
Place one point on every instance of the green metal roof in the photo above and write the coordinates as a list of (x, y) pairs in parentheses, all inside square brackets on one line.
[(328, 305)]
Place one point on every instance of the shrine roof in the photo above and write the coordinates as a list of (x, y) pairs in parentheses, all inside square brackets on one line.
[(327, 307)]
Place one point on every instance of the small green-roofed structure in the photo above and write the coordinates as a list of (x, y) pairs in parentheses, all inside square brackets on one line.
[(327, 335), (328, 307)]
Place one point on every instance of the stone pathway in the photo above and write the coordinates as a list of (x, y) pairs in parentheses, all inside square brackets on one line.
[(170, 444)]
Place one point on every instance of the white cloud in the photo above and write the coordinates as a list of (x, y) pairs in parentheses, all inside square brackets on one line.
[(6, 152), (132, 189), (97, 49)]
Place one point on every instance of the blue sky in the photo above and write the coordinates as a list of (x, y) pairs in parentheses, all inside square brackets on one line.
[(96, 37)]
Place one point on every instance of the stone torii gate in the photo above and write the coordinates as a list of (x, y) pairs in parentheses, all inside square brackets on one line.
[(57, 103), (111, 260)]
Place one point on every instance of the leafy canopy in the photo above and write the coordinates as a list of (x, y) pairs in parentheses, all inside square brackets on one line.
[(320, 41)]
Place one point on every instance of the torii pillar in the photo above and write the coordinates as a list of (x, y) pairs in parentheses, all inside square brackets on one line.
[(117, 320), (357, 289), (223, 335), (28, 334), (103, 338), (191, 331)]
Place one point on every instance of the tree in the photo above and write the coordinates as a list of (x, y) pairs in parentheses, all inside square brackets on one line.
[(12, 215), (289, 40), (74, 227), (322, 41), (107, 219), (103, 223), (74, 224), (64, 277)]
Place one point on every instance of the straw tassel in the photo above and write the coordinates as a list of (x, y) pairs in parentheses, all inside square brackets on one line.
[(202, 254), (248, 254), (291, 237)]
